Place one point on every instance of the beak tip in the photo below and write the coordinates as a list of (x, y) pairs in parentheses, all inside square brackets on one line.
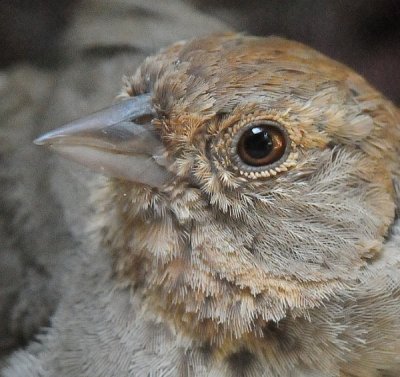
[(47, 139), (41, 140)]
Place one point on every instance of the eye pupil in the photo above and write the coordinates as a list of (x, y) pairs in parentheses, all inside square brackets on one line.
[(261, 144), (257, 142)]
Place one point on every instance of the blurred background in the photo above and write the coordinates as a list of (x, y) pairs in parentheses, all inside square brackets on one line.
[(63, 59), (365, 34)]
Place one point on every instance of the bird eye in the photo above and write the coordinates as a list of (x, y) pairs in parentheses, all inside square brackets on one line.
[(261, 144)]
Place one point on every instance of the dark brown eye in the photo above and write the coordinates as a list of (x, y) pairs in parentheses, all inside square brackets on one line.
[(262, 144)]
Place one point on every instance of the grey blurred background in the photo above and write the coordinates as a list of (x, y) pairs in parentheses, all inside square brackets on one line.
[(365, 34)]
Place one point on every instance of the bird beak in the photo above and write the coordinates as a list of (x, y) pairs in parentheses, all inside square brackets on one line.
[(110, 142)]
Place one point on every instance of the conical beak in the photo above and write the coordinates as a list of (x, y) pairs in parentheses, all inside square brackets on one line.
[(110, 142)]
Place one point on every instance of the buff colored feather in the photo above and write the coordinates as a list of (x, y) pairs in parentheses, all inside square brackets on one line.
[(291, 272)]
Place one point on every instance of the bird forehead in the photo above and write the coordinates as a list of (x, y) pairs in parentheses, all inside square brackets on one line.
[(214, 74)]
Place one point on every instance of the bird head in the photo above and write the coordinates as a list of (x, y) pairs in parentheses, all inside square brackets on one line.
[(251, 179)]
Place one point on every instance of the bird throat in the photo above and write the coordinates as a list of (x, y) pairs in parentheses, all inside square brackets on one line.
[(187, 268), (152, 255)]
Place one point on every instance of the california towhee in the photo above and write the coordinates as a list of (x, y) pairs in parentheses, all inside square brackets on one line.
[(250, 221)]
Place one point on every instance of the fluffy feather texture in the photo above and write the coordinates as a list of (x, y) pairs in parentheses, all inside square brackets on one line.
[(221, 274)]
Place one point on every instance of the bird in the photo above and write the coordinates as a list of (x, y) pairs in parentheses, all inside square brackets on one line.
[(248, 225)]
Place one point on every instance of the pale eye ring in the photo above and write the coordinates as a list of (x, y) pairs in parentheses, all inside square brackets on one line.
[(260, 144)]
